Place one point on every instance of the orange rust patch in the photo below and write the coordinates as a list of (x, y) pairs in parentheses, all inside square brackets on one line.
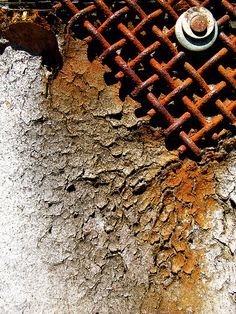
[(168, 210), (187, 194), (182, 297)]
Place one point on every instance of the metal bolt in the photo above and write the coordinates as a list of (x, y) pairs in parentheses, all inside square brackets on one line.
[(196, 29), (198, 24)]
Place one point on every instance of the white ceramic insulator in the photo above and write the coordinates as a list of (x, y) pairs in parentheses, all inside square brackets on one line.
[(190, 40)]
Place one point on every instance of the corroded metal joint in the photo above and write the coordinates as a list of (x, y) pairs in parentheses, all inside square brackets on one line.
[(196, 29)]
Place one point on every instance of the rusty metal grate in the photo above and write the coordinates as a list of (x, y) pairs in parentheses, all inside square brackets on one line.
[(192, 95)]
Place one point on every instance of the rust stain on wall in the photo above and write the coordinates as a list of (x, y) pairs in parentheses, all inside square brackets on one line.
[(166, 208), (187, 194)]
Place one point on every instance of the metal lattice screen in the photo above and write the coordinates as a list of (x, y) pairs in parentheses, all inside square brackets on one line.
[(191, 94)]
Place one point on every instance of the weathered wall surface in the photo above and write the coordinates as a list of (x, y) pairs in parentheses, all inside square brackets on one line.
[(96, 215)]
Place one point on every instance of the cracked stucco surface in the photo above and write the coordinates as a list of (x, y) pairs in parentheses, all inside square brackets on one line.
[(76, 175)]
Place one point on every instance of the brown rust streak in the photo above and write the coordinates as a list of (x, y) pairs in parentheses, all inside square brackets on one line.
[(188, 202)]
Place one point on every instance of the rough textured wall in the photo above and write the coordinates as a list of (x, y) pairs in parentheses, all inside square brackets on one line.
[(96, 215)]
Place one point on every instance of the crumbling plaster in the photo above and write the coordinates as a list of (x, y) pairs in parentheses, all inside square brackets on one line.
[(80, 189)]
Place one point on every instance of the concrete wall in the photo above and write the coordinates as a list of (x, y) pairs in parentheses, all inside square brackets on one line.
[(96, 215)]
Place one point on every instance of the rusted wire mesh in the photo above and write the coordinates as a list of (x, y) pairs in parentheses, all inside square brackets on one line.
[(192, 95)]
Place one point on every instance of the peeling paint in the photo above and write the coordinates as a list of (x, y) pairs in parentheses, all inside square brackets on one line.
[(104, 218)]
